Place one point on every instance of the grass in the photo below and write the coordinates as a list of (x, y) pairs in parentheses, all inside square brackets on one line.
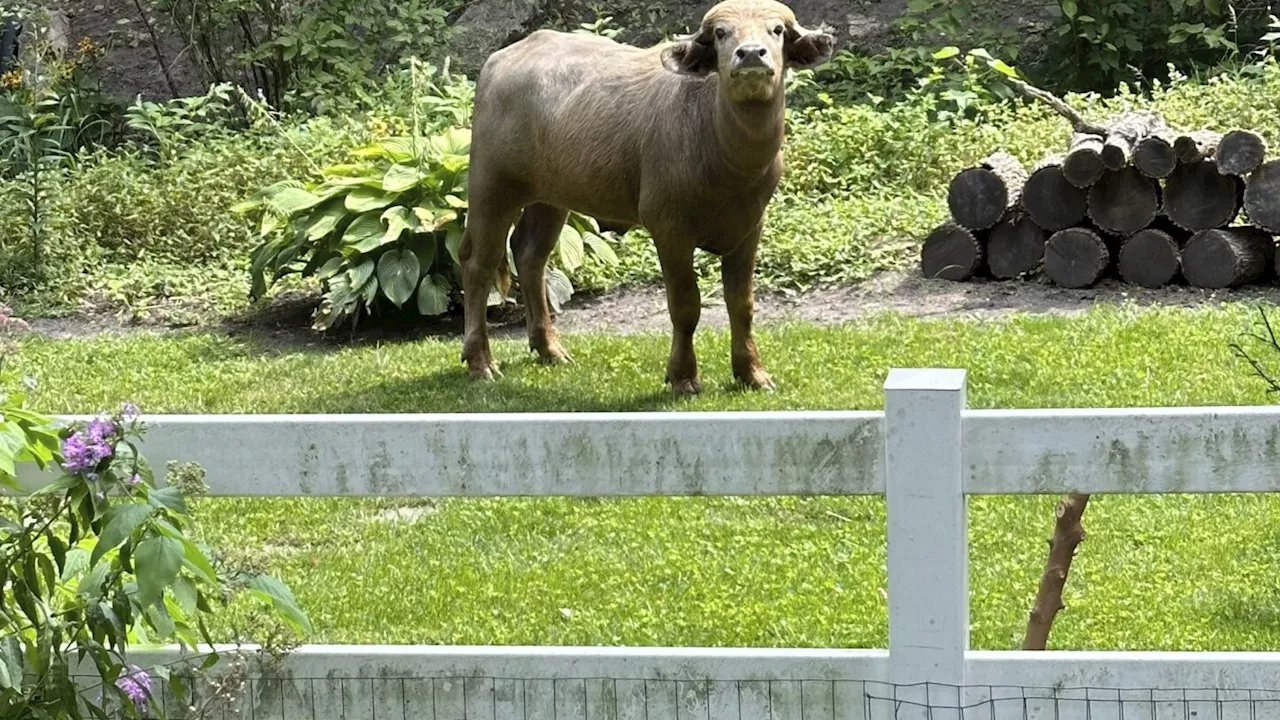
[(1171, 572)]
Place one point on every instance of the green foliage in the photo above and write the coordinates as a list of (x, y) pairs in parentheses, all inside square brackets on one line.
[(99, 560), (317, 56), (388, 226)]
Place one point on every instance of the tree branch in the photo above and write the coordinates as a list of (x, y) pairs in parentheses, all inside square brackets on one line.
[(1067, 534)]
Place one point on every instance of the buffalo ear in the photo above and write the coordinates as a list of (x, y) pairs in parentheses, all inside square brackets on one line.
[(807, 49), (691, 55)]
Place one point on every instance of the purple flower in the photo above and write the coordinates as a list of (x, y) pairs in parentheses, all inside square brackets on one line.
[(137, 686), (130, 412), (136, 479), (85, 449)]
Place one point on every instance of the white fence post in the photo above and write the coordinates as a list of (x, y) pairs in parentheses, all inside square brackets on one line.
[(928, 539)]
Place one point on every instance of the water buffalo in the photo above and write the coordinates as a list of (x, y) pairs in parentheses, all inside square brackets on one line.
[(683, 138)]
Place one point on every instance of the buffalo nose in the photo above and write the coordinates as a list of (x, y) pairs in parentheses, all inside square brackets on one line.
[(751, 51)]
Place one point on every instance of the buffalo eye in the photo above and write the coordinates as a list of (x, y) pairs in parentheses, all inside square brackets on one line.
[(720, 33), (778, 30)]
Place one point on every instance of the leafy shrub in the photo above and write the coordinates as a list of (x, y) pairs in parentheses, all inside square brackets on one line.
[(388, 226)]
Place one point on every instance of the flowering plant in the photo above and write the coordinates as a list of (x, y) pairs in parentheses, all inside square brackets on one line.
[(99, 561)]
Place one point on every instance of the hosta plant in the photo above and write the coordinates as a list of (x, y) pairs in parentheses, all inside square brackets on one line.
[(386, 227)]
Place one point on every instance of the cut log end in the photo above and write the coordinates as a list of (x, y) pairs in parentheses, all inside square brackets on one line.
[(1124, 201), (950, 252), (1262, 196), (1198, 197), (1240, 152), (1228, 257), (1076, 257), (1196, 146), (1149, 258), (1052, 201), (1015, 247), (1154, 157), (1083, 165)]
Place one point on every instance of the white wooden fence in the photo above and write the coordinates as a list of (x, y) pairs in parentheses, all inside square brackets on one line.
[(925, 452)]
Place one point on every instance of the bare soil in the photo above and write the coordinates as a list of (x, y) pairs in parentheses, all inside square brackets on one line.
[(286, 322)]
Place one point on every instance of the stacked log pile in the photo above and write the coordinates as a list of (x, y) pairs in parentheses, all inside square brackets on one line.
[(1132, 198)]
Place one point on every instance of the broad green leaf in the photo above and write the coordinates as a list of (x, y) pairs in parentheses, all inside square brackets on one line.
[(946, 52), (289, 201), (361, 273), (398, 272), (400, 178), (455, 202), (570, 248), (161, 621), (122, 520), (1068, 8), (442, 219), (433, 295), (77, 562), (158, 561), (601, 248), (325, 220), (185, 592), (454, 141), (559, 288), (192, 556), (278, 594), (331, 267), (91, 584), (169, 497), (398, 219), (1004, 68), (365, 199), (453, 241), (10, 663), (364, 234), (426, 215), (424, 246)]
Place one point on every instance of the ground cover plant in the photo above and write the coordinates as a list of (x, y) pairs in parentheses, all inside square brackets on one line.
[(731, 571)]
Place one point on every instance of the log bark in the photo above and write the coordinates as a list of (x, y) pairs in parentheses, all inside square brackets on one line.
[(980, 196), (1015, 246), (1078, 123), (1068, 533), (1198, 197), (1196, 146), (1262, 196), (1052, 202), (1154, 156), (1228, 257), (951, 252), (1124, 201), (1123, 135), (1240, 152), (1151, 257), (1076, 257), (1083, 165)]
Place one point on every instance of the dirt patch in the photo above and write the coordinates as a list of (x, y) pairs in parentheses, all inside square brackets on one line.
[(643, 309)]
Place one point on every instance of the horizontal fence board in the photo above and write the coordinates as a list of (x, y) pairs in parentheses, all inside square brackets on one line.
[(1123, 451), (525, 454), (1129, 671)]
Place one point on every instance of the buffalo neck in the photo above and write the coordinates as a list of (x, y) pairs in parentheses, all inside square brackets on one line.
[(749, 134)]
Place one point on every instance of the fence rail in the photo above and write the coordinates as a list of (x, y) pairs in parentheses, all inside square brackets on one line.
[(925, 452)]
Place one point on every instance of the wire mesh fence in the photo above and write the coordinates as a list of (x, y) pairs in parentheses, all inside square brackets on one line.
[(493, 698)]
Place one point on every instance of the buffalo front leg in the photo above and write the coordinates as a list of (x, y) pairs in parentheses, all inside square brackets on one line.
[(685, 306), (484, 246), (737, 272), (534, 238)]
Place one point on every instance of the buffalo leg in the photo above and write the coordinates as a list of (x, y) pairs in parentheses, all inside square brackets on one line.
[(685, 306), (483, 247), (737, 272), (532, 242)]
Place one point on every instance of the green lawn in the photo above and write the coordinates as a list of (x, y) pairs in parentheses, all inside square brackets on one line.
[(1173, 572)]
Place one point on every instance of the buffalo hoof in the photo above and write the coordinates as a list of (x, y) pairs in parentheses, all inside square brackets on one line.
[(756, 379), (483, 369), (687, 387), (553, 354)]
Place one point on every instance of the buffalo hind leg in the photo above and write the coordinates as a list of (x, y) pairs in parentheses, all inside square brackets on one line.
[(534, 238), (737, 272), (483, 248), (685, 306)]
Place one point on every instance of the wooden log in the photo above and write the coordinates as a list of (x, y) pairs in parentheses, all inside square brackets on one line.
[(1123, 135), (1050, 199), (1151, 257), (1083, 165), (1240, 152), (1228, 257), (1262, 196), (1076, 257), (1154, 156), (980, 196), (1124, 201), (1196, 146), (1015, 246), (1198, 197), (951, 252)]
